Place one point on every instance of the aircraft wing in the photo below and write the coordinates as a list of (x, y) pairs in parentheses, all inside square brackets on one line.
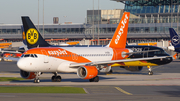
[(141, 52), (11, 59), (75, 65), (9, 51)]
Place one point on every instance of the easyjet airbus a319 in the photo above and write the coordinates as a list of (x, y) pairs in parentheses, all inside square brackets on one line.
[(85, 61)]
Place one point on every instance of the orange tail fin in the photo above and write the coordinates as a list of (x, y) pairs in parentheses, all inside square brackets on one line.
[(120, 35)]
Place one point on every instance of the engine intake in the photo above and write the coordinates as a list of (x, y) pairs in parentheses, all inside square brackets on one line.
[(27, 75), (87, 72)]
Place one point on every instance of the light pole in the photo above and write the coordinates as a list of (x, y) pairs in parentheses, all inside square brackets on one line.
[(43, 18), (93, 21), (171, 13), (64, 19), (177, 17), (38, 15), (98, 22)]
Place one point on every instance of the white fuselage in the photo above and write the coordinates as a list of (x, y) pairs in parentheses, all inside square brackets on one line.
[(58, 59)]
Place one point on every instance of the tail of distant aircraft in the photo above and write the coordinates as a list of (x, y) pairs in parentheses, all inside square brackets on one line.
[(175, 40), (24, 40), (31, 35), (23, 35), (120, 35)]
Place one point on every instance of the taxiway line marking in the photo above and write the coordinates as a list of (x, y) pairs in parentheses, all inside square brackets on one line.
[(123, 91), (86, 90)]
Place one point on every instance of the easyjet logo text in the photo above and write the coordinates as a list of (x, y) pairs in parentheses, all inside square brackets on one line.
[(59, 52), (121, 31)]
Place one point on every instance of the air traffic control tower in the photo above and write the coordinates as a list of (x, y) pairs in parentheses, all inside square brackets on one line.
[(154, 17)]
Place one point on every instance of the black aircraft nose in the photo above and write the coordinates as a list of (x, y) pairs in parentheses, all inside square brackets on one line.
[(169, 59)]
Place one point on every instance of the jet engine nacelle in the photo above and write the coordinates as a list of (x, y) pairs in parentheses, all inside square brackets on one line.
[(132, 68), (87, 72), (27, 75)]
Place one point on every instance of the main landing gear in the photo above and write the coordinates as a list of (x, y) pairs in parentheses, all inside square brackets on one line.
[(110, 72), (150, 70), (56, 78), (36, 80), (95, 79)]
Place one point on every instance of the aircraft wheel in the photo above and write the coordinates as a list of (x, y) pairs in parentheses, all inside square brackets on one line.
[(91, 80), (110, 72), (58, 78), (150, 73), (96, 79), (36, 80), (53, 79)]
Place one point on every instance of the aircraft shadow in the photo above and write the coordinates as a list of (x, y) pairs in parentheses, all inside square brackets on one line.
[(63, 80), (12, 72), (175, 61), (171, 93)]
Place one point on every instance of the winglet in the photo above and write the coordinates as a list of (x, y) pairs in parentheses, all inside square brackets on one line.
[(175, 40), (120, 35)]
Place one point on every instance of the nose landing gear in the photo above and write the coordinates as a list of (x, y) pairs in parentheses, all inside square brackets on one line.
[(36, 80)]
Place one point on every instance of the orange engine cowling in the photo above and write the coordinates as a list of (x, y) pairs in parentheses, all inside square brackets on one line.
[(27, 75), (87, 72)]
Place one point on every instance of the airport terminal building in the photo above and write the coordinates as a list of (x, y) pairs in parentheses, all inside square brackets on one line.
[(150, 21), (155, 16)]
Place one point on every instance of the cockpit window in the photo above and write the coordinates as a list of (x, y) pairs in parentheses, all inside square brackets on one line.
[(35, 55), (22, 55), (160, 52), (32, 55), (27, 55)]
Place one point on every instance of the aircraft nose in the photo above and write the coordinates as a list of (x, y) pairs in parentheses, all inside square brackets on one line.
[(22, 64), (169, 59)]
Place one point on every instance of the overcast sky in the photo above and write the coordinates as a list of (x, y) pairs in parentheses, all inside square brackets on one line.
[(75, 10)]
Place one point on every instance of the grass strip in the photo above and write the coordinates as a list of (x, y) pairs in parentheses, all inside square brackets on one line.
[(49, 89), (10, 79)]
